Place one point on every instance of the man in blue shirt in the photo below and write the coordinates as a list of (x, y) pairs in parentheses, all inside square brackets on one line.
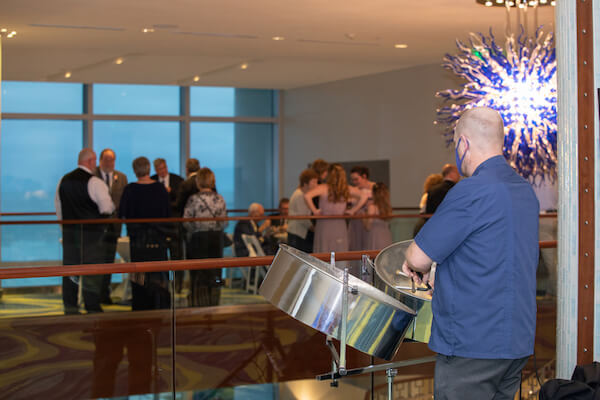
[(484, 238)]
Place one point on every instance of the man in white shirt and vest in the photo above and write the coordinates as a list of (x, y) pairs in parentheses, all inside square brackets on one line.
[(81, 195)]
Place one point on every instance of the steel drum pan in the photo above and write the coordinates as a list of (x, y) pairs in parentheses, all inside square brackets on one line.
[(310, 291), (388, 266)]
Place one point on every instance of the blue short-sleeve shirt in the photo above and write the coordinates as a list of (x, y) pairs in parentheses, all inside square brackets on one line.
[(484, 237)]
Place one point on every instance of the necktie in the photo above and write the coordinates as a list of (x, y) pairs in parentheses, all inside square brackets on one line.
[(107, 180)]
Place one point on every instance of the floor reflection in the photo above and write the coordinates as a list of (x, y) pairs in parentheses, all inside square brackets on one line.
[(219, 352)]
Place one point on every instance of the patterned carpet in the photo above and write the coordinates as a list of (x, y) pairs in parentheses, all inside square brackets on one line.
[(34, 303)]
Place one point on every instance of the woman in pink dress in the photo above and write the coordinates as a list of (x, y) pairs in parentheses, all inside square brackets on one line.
[(332, 234), (378, 229), (357, 235)]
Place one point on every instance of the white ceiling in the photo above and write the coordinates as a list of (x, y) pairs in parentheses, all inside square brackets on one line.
[(325, 40)]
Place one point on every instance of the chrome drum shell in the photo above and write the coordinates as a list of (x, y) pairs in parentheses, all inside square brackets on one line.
[(388, 266), (310, 291)]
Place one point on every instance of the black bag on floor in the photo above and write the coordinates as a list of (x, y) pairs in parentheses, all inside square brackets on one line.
[(563, 389), (589, 374)]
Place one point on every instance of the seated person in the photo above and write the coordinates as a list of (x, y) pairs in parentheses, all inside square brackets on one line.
[(280, 225), (250, 227)]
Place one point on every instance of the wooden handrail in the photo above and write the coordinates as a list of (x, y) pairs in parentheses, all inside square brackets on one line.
[(236, 211), (176, 265), (240, 218)]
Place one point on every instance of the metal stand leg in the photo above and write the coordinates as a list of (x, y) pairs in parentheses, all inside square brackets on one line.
[(335, 359), (338, 361), (344, 325), (391, 373)]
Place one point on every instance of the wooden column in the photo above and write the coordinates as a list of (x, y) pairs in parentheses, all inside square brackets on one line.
[(586, 114)]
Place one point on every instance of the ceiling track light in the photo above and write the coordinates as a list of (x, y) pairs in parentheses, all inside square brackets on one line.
[(516, 3), (119, 61), (244, 66), (4, 32), (196, 78), (68, 74)]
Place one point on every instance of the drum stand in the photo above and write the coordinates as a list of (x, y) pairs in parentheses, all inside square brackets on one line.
[(338, 363)]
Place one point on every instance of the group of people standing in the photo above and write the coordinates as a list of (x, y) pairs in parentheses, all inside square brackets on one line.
[(324, 190), (95, 192)]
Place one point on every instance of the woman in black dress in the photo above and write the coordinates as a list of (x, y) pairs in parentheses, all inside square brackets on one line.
[(147, 198)]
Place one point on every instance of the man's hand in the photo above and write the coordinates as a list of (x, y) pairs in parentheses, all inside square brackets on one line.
[(412, 274), (417, 277)]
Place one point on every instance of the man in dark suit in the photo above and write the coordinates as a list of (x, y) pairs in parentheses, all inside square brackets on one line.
[(250, 228), (116, 182), (172, 183), (81, 195), (187, 187), (438, 192)]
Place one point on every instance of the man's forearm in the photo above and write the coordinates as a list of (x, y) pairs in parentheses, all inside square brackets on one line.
[(417, 259)]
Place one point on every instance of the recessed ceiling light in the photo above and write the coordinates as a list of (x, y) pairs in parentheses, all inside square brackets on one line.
[(488, 3), (119, 61), (277, 38), (68, 74), (553, 3), (543, 1), (196, 78), (400, 46), (5, 33), (499, 1), (244, 66), (148, 30)]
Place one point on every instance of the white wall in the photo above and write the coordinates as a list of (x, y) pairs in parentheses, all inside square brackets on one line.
[(383, 116)]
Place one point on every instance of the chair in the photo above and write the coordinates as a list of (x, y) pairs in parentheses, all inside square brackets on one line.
[(254, 250)]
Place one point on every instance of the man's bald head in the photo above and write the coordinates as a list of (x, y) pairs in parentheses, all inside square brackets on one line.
[(87, 158), (479, 135), (484, 129)]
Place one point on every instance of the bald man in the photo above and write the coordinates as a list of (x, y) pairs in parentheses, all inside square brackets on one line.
[(484, 239), (81, 195)]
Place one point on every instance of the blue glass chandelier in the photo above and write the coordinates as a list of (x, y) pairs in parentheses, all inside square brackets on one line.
[(519, 81)]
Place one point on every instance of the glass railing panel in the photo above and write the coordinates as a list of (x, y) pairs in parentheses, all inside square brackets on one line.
[(30, 244), (114, 353), (404, 228)]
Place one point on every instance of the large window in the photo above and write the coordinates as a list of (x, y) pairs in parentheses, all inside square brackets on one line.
[(136, 100), (230, 102), (35, 155), (39, 144), (132, 139), (42, 97)]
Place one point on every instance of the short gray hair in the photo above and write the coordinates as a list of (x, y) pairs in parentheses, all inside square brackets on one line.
[(192, 165), (85, 155), (255, 208), (141, 166), (159, 161)]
